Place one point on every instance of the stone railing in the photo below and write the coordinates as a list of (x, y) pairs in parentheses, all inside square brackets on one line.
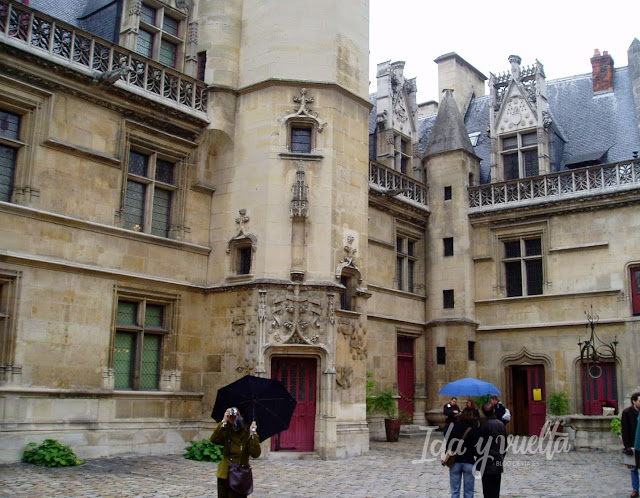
[(555, 186), (397, 184), (29, 30)]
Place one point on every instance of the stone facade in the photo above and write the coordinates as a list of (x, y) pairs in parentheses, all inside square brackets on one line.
[(258, 235), (171, 225)]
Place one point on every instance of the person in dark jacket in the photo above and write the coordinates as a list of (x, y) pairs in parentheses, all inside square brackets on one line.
[(451, 411), (500, 410), (239, 443), (629, 425), (463, 438), (493, 437)]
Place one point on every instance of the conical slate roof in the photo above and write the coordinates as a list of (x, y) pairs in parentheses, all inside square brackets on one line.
[(449, 132)]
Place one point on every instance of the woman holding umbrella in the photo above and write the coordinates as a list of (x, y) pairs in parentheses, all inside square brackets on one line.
[(239, 443)]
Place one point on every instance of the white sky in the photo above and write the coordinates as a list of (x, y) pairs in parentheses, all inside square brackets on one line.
[(561, 34)]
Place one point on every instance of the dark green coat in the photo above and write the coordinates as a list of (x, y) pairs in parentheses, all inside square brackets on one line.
[(238, 447)]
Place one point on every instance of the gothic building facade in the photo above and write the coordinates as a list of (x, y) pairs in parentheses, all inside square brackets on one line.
[(192, 191)]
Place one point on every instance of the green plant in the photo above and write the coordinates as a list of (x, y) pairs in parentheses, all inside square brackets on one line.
[(558, 403), (204, 451), (381, 402), (616, 426), (406, 418), (481, 400), (50, 454)]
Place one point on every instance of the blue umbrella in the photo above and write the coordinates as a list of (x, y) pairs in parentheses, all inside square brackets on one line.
[(469, 387), (266, 401)]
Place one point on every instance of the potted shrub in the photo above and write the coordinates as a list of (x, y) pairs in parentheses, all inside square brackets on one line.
[(558, 403), (384, 403), (557, 406)]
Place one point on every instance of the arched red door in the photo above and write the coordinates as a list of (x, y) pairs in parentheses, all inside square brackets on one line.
[(299, 377)]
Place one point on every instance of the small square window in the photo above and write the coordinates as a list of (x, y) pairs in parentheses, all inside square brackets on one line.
[(448, 246), (447, 193), (301, 140), (471, 350), (447, 299), (441, 355)]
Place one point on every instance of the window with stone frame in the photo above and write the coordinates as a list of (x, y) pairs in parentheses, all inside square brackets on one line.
[(523, 266), (402, 154), (161, 34), (406, 258), (349, 281), (142, 326), (8, 307), (519, 155), (153, 190), (10, 146), (301, 138), (149, 191), (243, 266), (22, 120), (202, 65)]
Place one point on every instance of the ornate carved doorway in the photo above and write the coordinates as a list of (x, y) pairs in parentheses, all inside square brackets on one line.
[(299, 377)]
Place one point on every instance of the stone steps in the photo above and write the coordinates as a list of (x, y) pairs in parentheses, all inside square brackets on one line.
[(416, 431)]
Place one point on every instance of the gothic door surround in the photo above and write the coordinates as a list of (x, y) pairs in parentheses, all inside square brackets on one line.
[(299, 377)]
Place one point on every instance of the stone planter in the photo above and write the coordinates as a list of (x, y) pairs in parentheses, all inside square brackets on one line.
[(594, 432), (376, 427), (607, 410), (436, 417)]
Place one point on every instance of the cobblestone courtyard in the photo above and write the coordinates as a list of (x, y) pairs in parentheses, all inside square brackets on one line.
[(389, 470)]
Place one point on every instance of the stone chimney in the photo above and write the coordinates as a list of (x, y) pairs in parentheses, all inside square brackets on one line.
[(602, 72)]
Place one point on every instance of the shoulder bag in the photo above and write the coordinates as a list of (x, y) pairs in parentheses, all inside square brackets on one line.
[(449, 457), (240, 478)]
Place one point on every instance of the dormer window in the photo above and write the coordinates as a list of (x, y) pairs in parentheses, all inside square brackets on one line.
[(159, 35), (520, 155), (402, 154)]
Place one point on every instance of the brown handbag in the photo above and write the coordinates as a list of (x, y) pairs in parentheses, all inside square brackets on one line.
[(240, 478)]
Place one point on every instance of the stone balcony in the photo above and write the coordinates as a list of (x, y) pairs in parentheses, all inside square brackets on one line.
[(394, 184), (25, 29), (615, 178)]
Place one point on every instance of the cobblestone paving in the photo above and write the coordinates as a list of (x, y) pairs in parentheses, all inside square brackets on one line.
[(388, 470)]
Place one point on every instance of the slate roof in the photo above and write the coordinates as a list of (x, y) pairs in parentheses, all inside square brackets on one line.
[(449, 132), (584, 125), (66, 10), (99, 17)]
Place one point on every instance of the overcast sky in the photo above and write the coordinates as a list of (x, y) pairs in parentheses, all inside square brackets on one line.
[(561, 34)]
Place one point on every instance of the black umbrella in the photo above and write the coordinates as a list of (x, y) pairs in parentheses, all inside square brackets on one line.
[(266, 401)]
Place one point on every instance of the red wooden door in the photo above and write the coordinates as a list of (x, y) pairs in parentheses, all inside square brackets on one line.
[(635, 290), (299, 377), (405, 375), (602, 386), (537, 409)]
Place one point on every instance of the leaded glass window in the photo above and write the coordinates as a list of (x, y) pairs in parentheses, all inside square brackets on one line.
[(523, 267), (10, 132), (149, 193), (520, 155), (140, 328)]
